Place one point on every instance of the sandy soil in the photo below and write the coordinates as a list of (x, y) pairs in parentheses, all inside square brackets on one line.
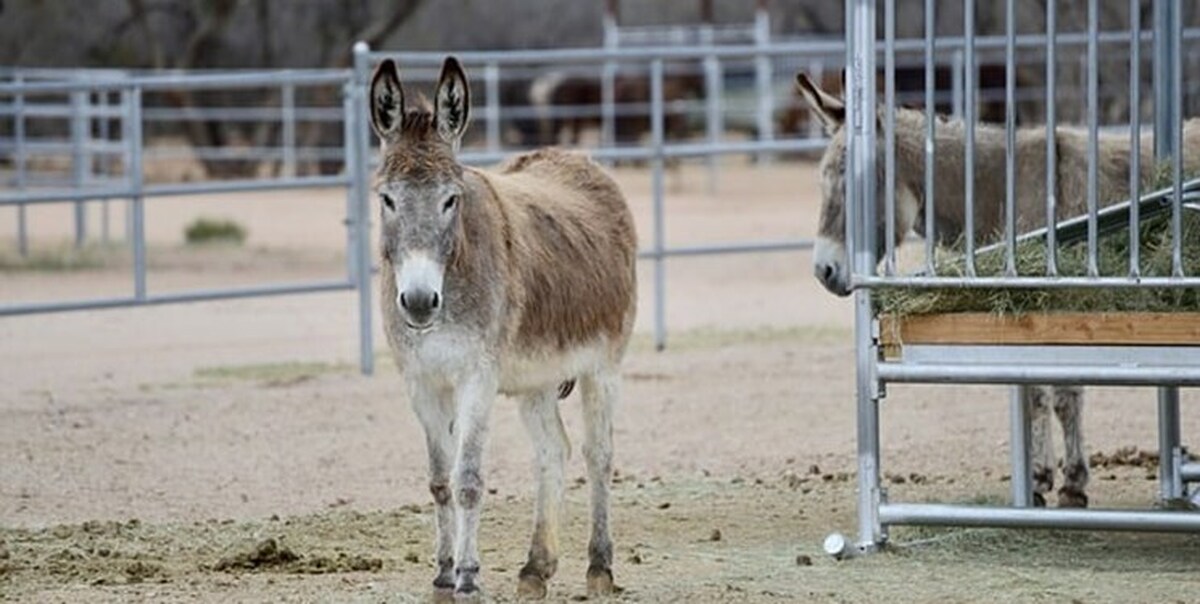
[(146, 450)]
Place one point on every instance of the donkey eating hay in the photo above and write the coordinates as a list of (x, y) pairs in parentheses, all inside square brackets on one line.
[(830, 258), (517, 282)]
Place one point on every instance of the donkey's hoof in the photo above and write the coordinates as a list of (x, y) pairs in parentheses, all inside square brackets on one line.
[(1072, 499), (531, 587), (466, 584), (600, 582), (445, 576), (1039, 501)]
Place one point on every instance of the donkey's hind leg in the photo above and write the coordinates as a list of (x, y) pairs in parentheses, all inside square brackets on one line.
[(1041, 443), (540, 414), (432, 409), (1068, 406), (600, 392)]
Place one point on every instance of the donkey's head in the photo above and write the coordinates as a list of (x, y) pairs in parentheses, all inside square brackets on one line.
[(831, 260), (420, 186)]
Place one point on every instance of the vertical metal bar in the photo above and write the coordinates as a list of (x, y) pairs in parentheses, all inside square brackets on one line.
[(762, 78), (930, 135), (1164, 60), (1135, 136), (350, 154), (103, 125), (287, 115), (656, 134), (969, 121), (861, 121), (1051, 139), (19, 135), (608, 76), (956, 84), (1010, 147), (713, 89), (1177, 135), (1169, 483), (1022, 492), (1093, 118), (362, 235), (79, 123), (889, 143), (491, 82), (133, 131)]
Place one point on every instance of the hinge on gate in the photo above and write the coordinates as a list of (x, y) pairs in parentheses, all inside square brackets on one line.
[(878, 388)]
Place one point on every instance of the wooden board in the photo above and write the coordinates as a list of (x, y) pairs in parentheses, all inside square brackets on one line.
[(1121, 329)]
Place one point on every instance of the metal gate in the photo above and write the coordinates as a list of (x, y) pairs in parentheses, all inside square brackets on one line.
[(994, 362)]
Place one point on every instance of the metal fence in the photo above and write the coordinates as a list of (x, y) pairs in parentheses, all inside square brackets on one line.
[(872, 243), (87, 119), (126, 145)]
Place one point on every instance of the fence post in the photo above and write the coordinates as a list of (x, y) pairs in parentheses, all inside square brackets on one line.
[(860, 32), (102, 164), (762, 75), (362, 228), (133, 132), (19, 135), (287, 115), (713, 89), (79, 168), (491, 81), (656, 133), (608, 82)]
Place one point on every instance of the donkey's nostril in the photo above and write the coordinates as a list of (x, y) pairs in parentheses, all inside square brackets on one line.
[(827, 273), (403, 300), (437, 300)]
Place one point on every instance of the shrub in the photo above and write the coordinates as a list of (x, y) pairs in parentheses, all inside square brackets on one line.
[(209, 230)]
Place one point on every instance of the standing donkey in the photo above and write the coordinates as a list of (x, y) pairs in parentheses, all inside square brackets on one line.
[(830, 258), (519, 282)]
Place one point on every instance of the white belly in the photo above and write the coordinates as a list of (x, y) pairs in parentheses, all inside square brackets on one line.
[(538, 372)]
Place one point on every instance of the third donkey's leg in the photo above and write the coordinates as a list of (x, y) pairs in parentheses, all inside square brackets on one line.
[(600, 393), (433, 410), (1041, 443), (540, 414), (1068, 406)]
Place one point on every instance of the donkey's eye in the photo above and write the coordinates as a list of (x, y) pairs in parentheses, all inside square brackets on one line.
[(388, 202), (450, 203)]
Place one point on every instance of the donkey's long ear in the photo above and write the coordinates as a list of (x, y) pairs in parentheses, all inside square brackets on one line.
[(453, 102), (829, 109), (387, 100)]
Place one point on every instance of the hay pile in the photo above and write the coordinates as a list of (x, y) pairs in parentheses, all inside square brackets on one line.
[(1113, 261)]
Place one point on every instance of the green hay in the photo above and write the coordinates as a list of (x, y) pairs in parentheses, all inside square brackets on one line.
[(1030, 257)]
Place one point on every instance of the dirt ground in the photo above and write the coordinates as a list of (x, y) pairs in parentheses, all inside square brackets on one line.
[(230, 451)]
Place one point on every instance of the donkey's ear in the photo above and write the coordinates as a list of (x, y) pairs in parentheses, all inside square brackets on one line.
[(387, 100), (829, 109), (453, 102)]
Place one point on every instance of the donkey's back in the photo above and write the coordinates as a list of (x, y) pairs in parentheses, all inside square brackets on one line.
[(572, 251)]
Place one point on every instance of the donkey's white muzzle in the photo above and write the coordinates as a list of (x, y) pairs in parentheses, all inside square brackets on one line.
[(419, 289), (831, 266)]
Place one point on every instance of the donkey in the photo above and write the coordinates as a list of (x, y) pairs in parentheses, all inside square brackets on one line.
[(519, 282), (830, 258)]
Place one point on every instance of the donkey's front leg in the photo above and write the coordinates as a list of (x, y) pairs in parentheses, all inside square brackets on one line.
[(1068, 406), (540, 414), (473, 402), (433, 409)]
